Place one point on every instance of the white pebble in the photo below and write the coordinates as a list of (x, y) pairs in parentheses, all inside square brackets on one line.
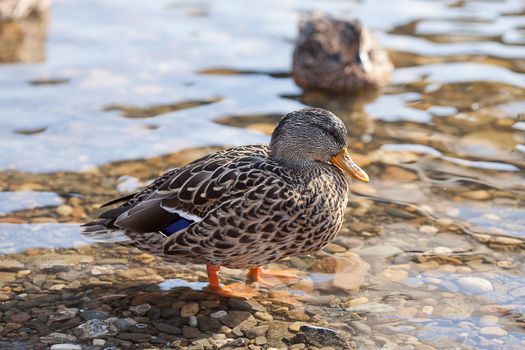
[(193, 321), (219, 314), (475, 284)]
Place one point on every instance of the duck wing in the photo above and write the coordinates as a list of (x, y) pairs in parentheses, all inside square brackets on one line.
[(186, 193)]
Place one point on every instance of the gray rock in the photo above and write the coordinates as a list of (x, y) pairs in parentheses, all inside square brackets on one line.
[(140, 310), (245, 305), (125, 323), (167, 328), (371, 307), (134, 337), (322, 337), (255, 332), (219, 314), (96, 328), (235, 318), (93, 314), (58, 338), (63, 314)]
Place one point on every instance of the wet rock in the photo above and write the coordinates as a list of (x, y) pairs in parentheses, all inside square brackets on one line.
[(208, 323), (322, 337), (257, 331), (475, 284), (167, 328), (94, 314), (518, 292), (11, 265), (245, 305), (360, 327), (278, 333), (63, 314), (493, 331), (134, 337), (65, 346), (235, 318), (140, 310), (124, 323), (54, 338), (371, 307), (190, 332), (380, 251), (219, 314), (193, 321), (488, 320), (95, 328), (190, 309)]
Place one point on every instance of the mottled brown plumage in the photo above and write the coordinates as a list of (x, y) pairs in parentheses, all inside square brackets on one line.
[(338, 56), (247, 206)]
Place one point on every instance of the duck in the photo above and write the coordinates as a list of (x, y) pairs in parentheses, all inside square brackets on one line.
[(338, 56), (243, 207)]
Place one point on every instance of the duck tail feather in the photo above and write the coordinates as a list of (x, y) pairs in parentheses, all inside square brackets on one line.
[(103, 230)]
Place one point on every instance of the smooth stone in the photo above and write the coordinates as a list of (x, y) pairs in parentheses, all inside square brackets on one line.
[(360, 327), (371, 307), (140, 310), (219, 314), (493, 331), (11, 265), (488, 320), (65, 347), (518, 292), (384, 251), (190, 309), (63, 314), (475, 284)]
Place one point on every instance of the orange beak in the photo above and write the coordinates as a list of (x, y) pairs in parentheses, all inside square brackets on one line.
[(343, 161)]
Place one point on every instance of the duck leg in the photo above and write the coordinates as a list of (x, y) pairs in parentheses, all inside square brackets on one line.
[(271, 278), (234, 290)]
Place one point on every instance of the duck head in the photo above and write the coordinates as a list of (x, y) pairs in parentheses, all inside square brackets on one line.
[(338, 56), (311, 135)]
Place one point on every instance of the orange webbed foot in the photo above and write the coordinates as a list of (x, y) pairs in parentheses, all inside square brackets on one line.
[(235, 290), (271, 278)]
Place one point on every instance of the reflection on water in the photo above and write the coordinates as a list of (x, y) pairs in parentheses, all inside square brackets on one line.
[(431, 255)]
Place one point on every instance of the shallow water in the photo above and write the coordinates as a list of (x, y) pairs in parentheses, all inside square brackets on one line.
[(120, 91)]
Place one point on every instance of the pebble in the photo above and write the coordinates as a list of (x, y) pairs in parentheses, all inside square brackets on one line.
[(488, 320), (360, 327), (257, 331), (141, 309), (263, 315), (380, 251), (427, 229), (7, 277), (219, 314), (356, 301), (193, 321), (518, 292), (63, 314), (493, 331), (65, 346), (189, 309), (475, 284), (235, 318), (64, 210), (371, 307), (95, 328), (190, 332)]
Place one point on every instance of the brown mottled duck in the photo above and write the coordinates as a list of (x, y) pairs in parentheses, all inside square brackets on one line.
[(338, 56), (246, 206)]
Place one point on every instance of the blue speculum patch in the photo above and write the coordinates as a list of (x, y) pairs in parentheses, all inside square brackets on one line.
[(176, 226)]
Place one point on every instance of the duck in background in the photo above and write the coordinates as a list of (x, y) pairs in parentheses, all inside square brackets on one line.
[(338, 56)]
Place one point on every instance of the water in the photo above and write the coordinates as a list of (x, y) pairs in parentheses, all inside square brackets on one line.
[(117, 92)]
